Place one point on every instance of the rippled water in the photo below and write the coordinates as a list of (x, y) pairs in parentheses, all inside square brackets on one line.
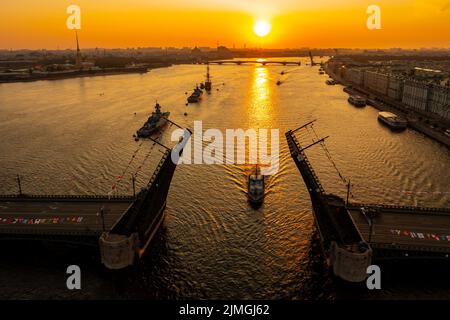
[(75, 136)]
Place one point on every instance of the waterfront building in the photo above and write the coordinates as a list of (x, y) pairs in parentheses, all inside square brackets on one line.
[(439, 101), (425, 96), (415, 95), (356, 76), (395, 87), (376, 81)]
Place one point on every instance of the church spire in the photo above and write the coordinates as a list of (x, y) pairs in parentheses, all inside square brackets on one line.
[(78, 59)]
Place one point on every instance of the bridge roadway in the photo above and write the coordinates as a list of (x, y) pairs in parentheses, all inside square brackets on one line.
[(404, 228), (264, 62), (59, 216)]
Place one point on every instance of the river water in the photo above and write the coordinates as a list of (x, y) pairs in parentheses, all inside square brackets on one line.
[(74, 136)]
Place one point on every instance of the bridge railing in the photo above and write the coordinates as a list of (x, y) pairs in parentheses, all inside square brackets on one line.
[(308, 164), (404, 209), (53, 197), (158, 167), (126, 223)]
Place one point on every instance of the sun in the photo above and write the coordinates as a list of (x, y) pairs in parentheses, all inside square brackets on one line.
[(262, 28)]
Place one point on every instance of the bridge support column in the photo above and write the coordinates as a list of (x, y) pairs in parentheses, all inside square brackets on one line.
[(351, 264), (117, 251)]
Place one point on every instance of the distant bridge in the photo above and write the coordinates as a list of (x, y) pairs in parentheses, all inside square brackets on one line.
[(261, 62)]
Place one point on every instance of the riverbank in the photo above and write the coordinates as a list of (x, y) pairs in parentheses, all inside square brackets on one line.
[(427, 124), (30, 77)]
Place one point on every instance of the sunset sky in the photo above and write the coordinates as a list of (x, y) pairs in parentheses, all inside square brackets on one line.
[(294, 23)]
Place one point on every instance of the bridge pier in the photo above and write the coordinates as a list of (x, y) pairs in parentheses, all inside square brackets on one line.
[(117, 251)]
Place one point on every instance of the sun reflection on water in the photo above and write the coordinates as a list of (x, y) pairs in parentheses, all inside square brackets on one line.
[(260, 105)]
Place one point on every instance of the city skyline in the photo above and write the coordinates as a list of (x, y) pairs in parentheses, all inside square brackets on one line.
[(185, 23)]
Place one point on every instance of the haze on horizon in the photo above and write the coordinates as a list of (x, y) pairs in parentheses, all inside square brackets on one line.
[(179, 23)]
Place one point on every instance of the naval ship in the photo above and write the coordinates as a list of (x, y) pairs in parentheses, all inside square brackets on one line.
[(195, 96), (157, 120)]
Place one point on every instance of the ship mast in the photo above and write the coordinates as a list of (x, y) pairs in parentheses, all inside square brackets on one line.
[(208, 83), (208, 79)]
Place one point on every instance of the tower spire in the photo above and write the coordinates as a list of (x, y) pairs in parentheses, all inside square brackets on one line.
[(78, 45), (78, 58)]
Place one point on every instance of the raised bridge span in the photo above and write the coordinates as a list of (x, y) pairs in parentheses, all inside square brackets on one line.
[(354, 235), (120, 227)]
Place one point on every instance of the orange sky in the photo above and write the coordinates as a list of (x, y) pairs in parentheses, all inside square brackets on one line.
[(295, 23)]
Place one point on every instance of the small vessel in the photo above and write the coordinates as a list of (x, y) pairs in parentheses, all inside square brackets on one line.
[(278, 82), (282, 73), (330, 82), (256, 188), (321, 72), (208, 83), (357, 101), (157, 120), (392, 120), (195, 96)]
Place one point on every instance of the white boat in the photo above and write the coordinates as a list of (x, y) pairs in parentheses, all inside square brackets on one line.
[(392, 120)]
